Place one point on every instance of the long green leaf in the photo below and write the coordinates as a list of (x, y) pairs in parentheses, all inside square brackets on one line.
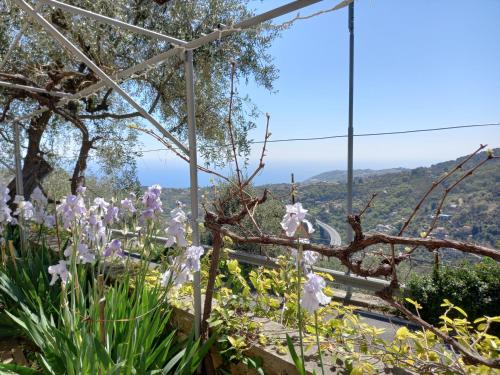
[(8, 369), (298, 362)]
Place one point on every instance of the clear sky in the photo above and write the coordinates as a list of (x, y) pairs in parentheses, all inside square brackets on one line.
[(418, 64)]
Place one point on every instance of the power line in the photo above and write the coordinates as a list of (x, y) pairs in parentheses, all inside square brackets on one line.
[(360, 135), (377, 134), (338, 136)]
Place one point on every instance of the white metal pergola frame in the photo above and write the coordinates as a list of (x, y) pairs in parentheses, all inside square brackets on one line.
[(177, 47)]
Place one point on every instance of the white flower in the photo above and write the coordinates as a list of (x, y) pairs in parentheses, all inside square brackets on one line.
[(178, 273), (127, 207), (101, 204), (80, 190), (34, 210), (38, 198), (183, 267), (72, 208), (114, 248), (310, 257), (176, 231), (193, 254), (24, 208), (5, 211), (83, 254), (111, 215), (176, 276), (95, 231), (313, 294), (40, 203), (165, 278), (294, 216), (59, 271)]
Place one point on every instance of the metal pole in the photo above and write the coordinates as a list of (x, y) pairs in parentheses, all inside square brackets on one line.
[(251, 22), (193, 174), (112, 21), (350, 131), (17, 156), (19, 176)]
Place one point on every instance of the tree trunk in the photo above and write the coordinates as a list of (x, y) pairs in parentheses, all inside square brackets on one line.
[(35, 167), (78, 178), (81, 163), (208, 363), (212, 274)]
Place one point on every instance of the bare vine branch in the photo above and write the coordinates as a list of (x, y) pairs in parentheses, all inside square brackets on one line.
[(435, 184)]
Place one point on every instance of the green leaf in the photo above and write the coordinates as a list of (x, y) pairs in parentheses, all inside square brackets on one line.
[(8, 369), (298, 362), (170, 365), (215, 323), (460, 310), (414, 303), (102, 354)]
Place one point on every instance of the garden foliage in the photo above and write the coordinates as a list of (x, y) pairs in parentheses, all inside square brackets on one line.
[(86, 306), (473, 286)]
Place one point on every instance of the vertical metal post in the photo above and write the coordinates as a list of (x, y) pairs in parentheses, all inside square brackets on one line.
[(17, 156), (19, 175), (193, 174), (350, 131)]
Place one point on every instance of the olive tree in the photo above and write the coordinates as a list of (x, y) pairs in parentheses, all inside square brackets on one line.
[(97, 126)]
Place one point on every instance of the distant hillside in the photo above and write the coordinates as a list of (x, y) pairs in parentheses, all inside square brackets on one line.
[(471, 211), (340, 176)]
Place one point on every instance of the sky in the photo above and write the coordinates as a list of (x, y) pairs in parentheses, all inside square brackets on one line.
[(418, 64)]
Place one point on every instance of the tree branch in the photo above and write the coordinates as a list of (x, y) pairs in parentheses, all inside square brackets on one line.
[(106, 115), (469, 356), (434, 185)]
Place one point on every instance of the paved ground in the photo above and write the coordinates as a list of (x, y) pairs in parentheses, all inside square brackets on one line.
[(334, 235), (389, 323)]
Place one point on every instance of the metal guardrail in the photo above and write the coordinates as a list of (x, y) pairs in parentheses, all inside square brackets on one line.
[(370, 284)]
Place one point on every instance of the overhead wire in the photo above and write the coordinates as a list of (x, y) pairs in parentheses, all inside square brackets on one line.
[(357, 135)]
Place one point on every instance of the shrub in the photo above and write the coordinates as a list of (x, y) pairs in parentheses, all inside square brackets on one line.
[(473, 286)]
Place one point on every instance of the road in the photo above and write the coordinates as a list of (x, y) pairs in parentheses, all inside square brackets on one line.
[(334, 235)]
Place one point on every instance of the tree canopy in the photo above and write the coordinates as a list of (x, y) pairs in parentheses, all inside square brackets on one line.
[(97, 126)]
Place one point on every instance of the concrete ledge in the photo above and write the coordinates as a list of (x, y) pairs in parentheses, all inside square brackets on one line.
[(273, 363)]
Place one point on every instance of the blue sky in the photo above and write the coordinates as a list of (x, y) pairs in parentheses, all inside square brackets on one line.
[(418, 64)]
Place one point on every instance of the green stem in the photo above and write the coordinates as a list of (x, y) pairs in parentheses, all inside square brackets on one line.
[(317, 342), (299, 312)]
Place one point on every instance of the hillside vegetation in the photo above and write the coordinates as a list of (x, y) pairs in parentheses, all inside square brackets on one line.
[(470, 212), (340, 176)]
